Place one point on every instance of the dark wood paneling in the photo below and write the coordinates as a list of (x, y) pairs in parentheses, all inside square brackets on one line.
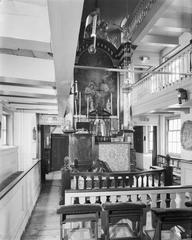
[(81, 147), (59, 149), (138, 139)]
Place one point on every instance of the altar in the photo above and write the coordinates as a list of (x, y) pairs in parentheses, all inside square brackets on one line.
[(116, 154)]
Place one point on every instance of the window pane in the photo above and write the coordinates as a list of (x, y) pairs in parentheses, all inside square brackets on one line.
[(170, 137), (178, 137), (170, 125), (179, 124), (173, 136)]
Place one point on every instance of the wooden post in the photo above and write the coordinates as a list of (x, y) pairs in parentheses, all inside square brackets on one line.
[(65, 184), (168, 176)]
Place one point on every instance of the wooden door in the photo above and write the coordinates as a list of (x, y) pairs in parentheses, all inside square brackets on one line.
[(154, 151), (138, 139), (81, 148), (59, 149)]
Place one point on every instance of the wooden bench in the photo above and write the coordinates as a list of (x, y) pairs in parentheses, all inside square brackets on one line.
[(79, 213), (114, 213), (165, 219)]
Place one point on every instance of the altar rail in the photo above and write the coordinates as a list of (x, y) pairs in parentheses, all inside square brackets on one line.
[(170, 72), (108, 180), (163, 197), (111, 181)]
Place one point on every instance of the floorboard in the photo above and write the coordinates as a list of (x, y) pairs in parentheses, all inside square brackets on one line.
[(44, 222)]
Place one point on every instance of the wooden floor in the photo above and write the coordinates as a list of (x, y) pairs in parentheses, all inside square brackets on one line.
[(44, 222)]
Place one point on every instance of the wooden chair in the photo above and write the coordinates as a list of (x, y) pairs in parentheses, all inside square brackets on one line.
[(79, 213), (165, 219), (114, 212)]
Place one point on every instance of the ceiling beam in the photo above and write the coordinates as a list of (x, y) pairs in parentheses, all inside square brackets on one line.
[(28, 44), (29, 100), (34, 106), (26, 70), (27, 90), (173, 22), (149, 20), (25, 26), (26, 82), (24, 94), (65, 19), (161, 40), (55, 112)]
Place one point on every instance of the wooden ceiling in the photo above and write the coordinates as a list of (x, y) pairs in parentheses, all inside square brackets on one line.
[(32, 31)]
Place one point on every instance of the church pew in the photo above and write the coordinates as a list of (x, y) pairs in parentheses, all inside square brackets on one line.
[(166, 219)]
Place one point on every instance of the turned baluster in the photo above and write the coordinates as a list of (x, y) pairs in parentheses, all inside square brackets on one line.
[(85, 182), (124, 181), (108, 182), (116, 181), (159, 179), (137, 181), (92, 182), (77, 182), (147, 180), (153, 180), (100, 182), (142, 182)]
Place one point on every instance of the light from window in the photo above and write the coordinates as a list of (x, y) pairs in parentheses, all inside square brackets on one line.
[(4, 130), (174, 129)]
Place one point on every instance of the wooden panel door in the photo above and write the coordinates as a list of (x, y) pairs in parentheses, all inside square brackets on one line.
[(81, 148), (59, 149), (138, 139)]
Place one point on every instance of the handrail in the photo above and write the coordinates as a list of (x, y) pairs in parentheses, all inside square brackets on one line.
[(116, 173), (92, 180), (176, 158), (164, 197), (7, 189), (164, 188), (176, 55)]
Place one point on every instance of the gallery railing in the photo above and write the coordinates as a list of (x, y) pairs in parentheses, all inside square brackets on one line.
[(172, 71)]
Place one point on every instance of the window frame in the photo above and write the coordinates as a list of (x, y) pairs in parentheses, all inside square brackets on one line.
[(149, 131), (174, 154)]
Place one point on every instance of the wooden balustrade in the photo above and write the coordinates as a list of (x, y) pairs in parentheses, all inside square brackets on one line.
[(164, 197), (174, 162), (90, 180), (110, 181), (170, 72)]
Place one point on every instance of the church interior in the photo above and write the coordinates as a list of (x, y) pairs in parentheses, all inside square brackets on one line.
[(95, 119)]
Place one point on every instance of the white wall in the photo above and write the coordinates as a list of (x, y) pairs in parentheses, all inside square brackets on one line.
[(161, 148), (186, 167), (16, 206), (24, 123), (1, 112), (8, 161), (144, 161)]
